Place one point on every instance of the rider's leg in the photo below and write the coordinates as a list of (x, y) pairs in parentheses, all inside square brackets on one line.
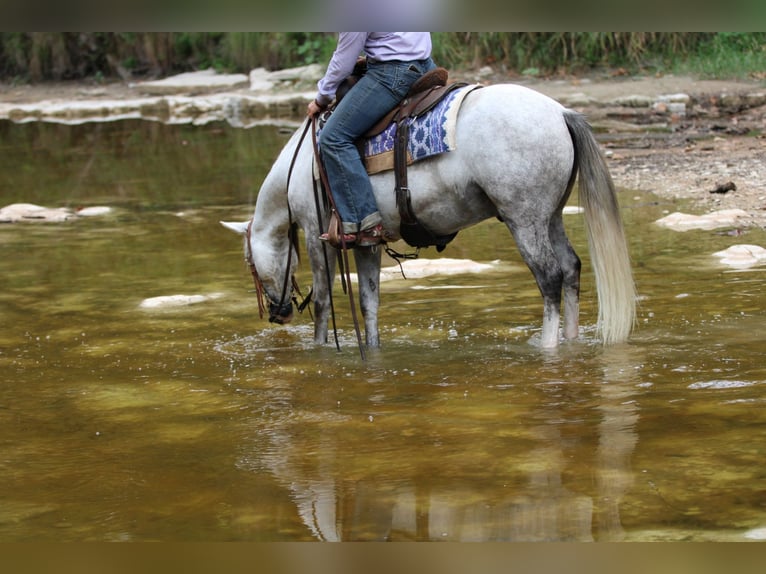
[(377, 92)]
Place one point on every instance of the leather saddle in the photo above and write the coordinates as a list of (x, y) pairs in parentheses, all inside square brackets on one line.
[(424, 94)]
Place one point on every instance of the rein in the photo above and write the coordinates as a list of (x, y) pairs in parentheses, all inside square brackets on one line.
[(343, 254), (253, 271), (289, 279)]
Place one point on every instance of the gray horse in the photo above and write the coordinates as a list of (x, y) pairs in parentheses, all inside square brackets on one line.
[(517, 156)]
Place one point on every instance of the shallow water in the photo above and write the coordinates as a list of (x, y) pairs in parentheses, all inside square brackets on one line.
[(203, 422)]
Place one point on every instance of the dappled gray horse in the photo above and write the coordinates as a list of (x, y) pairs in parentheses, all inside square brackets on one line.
[(517, 155)]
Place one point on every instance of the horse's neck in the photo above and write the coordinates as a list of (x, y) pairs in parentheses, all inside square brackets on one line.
[(271, 207)]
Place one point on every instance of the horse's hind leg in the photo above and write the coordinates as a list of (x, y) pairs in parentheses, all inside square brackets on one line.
[(570, 267), (534, 243)]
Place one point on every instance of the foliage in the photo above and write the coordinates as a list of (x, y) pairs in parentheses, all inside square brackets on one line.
[(728, 55), (36, 56)]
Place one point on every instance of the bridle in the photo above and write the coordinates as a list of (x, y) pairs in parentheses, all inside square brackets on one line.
[(286, 298)]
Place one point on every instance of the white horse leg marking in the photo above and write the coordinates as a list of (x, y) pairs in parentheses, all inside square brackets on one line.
[(550, 335)]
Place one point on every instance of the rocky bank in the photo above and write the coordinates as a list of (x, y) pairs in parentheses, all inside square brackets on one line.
[(679, 137)]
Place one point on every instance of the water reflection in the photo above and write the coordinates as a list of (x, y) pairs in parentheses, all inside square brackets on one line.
[(401, 456), (204, 423)]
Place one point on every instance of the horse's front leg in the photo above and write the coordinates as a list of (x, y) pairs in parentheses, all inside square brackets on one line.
[(323, 271), (368, 273)]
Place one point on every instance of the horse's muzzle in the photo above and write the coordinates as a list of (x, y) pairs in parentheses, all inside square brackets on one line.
[(280, 314)]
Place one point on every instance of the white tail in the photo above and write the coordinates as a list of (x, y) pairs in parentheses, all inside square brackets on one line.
[(606, 237)]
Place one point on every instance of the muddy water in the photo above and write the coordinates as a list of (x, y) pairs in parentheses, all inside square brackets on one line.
[(203, 422)]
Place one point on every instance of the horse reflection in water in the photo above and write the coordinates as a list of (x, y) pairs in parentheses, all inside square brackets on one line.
[(517, 156), (558, 472)]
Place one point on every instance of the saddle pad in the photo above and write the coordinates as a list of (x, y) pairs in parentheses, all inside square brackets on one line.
[(429, 134)]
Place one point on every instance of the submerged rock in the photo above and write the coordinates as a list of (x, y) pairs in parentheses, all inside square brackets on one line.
[(420, 268), (165, 301)]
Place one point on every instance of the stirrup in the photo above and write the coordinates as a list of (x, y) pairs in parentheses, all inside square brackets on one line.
[(371, 237), (349, 238)]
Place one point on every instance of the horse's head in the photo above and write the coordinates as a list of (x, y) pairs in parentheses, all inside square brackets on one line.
[(272, 263)]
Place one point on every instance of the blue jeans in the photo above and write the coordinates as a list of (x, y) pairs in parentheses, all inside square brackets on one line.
[(383, 86)]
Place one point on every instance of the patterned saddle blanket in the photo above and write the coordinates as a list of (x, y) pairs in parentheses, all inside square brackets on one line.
[(430, 134)]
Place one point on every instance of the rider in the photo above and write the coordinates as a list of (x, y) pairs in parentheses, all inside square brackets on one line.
[(395, 60)]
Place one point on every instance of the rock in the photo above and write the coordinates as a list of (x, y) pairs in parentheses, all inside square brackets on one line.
[(419, 268), (166, 301), (674, 99), (724, 187), (579, 100), (94, 211), (634, 101), (259, 80), (17, 212), (722, 218), (310, 73), (742, 256), (30, 212), (756, 534), (740, 101), (485, 72), (677, 108), (204, 81)]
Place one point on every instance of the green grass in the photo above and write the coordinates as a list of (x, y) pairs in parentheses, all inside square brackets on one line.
[(727, 56)]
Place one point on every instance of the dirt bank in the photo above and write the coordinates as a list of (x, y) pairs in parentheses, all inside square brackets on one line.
[(711, 149), (675, 136)]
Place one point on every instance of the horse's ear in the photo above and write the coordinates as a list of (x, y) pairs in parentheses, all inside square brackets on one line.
[(239, 227)]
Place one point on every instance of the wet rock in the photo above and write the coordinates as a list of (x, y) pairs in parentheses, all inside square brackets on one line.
[(714, 220), (75, 112), (742, 256)]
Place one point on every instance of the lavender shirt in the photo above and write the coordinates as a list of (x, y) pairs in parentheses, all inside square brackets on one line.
[(383, 46)]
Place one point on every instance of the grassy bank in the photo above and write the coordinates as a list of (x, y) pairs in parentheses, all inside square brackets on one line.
[(38, 56)]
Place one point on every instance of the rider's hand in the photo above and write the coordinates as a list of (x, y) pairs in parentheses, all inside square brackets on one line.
[(313, 108)]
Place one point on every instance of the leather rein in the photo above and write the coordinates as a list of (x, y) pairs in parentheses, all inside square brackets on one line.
[(286, 297)]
